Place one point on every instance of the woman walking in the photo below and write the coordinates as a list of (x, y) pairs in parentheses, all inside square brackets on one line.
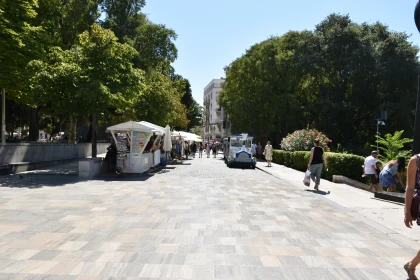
[(208, 150), (200, 151), (412, 191), (316, 161), (268, 153), (392, 169)]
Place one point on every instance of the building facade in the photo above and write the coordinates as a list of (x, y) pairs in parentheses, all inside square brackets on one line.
[(215, 123)]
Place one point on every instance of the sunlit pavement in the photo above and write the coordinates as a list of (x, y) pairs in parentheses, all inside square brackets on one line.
[(198, 220)]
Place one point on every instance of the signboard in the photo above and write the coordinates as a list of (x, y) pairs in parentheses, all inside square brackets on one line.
[(139, 141)]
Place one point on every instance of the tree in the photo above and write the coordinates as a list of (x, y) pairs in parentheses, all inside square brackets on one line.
[(194, 112), (259, 91), (332, 78), (20, 42), (95, 77), (64, 20)]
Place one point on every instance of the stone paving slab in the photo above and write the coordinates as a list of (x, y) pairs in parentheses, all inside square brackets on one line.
[(200, 220), (385, 216)]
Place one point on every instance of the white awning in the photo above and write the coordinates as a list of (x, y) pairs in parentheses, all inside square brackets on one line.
[(130, 126), (157, 129)]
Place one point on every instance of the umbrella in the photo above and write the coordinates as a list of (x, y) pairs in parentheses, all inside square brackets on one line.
[(167, 143)]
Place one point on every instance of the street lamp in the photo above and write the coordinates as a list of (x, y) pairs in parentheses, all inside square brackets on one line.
[(378, 123), (416, 143)]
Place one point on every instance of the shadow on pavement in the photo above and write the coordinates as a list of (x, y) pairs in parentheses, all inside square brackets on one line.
[(37, 181), (319, 192)]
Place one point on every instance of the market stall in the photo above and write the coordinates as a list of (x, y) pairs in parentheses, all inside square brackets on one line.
[(132, 139), (155, 143), (182, 141)]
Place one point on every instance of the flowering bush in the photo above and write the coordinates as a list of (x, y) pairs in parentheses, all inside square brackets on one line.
[(303, 140)]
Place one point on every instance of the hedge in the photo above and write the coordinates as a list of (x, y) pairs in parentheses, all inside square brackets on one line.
[(338, 164)]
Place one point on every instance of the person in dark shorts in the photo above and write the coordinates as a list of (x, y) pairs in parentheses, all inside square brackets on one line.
[(316, 162), (370, 171)]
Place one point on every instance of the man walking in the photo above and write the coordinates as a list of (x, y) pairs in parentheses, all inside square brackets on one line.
[(370, 171), (194, 149)]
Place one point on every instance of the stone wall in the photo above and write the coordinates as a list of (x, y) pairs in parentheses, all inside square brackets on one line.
[(42, 152)]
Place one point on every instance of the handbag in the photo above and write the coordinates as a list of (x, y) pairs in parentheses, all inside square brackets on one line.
[(307, 178)]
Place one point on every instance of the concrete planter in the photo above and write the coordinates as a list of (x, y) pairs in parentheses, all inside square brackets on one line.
[(90, 167), (350, 182)]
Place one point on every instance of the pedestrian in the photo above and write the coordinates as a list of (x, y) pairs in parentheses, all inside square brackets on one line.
[(412, 191), (316, 161), (370, 171), (187, 149), (259, 150), (268, 153), (200, 153), (193, 149), (208, 150), (111, 157), (214, 149), (254, 149), (378, 171), (392, 169)]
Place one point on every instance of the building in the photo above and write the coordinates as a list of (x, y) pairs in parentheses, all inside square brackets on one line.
[(215, 123)]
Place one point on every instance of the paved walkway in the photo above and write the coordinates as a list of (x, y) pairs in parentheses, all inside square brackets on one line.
[(199, 220), (387, 216)]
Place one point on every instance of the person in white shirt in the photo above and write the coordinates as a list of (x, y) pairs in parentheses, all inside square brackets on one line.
[(254, 149), (370, 171)]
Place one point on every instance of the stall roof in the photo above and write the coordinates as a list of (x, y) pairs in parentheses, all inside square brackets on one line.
[(160, 130), (187, 136), (130, 126)]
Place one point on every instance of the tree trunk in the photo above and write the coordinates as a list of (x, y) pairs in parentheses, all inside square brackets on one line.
[(72, 131), (94, 124), (34, 125), (3, 116), (89, 134)]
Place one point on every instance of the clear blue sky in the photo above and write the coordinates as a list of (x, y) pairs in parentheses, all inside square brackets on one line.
[(211, 34)]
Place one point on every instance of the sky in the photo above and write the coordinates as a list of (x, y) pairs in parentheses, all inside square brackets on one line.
[(212, 34)]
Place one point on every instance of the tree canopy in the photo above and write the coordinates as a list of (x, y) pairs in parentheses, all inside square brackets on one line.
[(68, 62), (336, 79)]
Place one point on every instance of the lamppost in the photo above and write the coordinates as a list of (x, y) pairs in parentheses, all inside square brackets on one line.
[(378, 123), (416, 143)]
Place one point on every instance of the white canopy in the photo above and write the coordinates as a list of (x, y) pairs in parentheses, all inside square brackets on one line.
[(187, 136), (130, 126), (157, 129)]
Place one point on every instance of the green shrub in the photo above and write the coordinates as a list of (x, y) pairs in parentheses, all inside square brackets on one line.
[(346, 165), (300, 160)]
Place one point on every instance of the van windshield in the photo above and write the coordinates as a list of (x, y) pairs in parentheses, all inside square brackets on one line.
[(235, 142)]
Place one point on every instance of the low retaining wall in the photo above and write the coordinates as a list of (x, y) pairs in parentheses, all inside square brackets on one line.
[(350, 182), (15, 153)]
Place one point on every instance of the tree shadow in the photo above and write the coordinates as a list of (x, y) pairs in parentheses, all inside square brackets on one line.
[(45, 180)]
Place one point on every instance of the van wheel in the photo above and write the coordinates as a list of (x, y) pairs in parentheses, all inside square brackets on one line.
[(253, 166)]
